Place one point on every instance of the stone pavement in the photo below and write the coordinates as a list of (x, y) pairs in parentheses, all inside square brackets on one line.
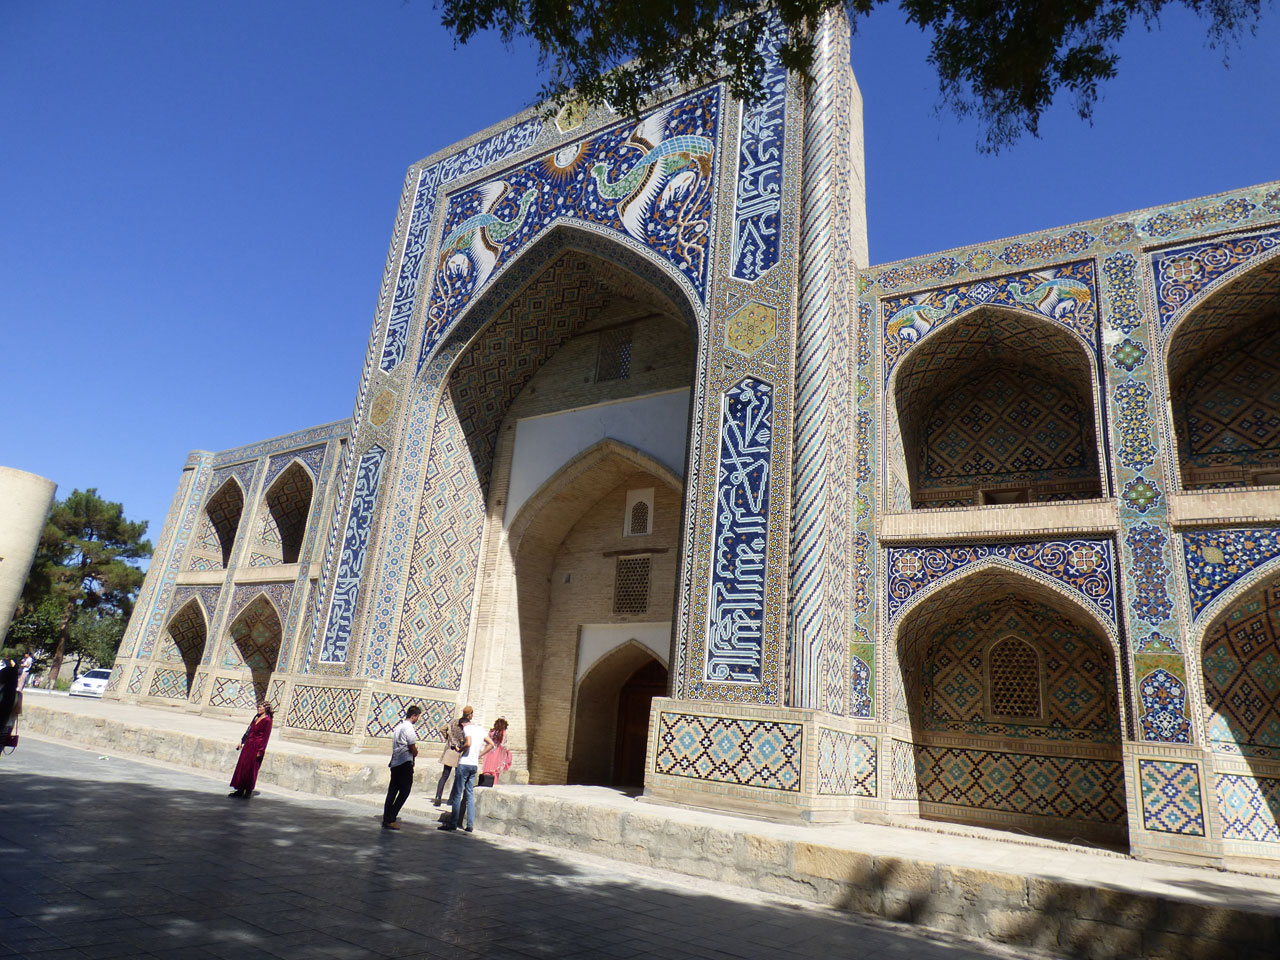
[(1059, 897), (108, 857)]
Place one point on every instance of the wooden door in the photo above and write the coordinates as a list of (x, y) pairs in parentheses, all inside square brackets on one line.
[(633, 722)]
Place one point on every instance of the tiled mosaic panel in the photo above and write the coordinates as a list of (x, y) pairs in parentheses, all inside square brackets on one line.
[(1228, 408), (748, 753), (282, 519), (1064, 294), (386, 710), (1249, 807), (242, 694), (183, 641), (135, 681), (1162, 696), (1074, 693), (170, 684), (846, 764), (1066, 788), (735, 618), (1150, 572), (903, 771), (1218, 558), (1242, 675), (256, 634), (327, 709), (489, 375), (355, 546), (757, 210), (1171, 797), (478, 155), (280, 595), (1005, 427), (1183, 273), (1085, 567), (311, 457), (650, 181)]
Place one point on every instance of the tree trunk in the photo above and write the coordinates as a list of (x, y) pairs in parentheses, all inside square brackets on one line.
[(55, 663)]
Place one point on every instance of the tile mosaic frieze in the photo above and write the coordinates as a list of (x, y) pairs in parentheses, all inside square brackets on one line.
[(1171, 797), (757, 210), (1183, 274), (324, 709), (747, 753), (1218, 559), (846, 764)]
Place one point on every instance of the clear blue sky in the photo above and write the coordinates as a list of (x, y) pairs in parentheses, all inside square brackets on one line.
[(196, 198)]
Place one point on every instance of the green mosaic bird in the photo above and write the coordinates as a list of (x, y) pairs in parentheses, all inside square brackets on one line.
[(915, 320), (1054, 296), (481, 235)]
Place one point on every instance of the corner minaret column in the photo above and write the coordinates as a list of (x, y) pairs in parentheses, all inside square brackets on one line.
[(819, 528)]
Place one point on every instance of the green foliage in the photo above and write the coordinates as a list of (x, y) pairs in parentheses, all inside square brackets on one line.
[(1002, 61), (82, 585)]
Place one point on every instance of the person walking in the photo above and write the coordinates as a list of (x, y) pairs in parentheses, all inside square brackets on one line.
[(464, 778), (252, 747), (404, 748), (453, 740), (24, 669), (496, 758)]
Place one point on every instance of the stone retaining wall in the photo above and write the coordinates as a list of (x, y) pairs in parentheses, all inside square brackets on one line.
[(1059, 917)]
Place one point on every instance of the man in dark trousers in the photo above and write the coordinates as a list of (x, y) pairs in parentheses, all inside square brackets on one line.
[(404, 747)]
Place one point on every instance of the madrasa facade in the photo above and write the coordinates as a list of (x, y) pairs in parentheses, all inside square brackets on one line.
[(649, 459)]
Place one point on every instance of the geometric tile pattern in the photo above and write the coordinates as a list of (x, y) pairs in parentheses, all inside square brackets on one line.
[(1184, 217), (278, 593), (757, 204), (1079, 690), (1086, 567), (746, 753), (211, 547), (283, 518), (1171, 797), (327, 709), (244, 694), (1064, 294), (1001, 427), (256, 633), (846, 764), (1242, 675), (1218, 558), (311, 457), (1249, 807), (649, 181), (1065, 788), (135, 681), (170, 684), (1228, 407), (735, 615), (509, 141), (485, 380), (903, 761), (346, 581), (386, 710), (1181, 274), (184, 640)]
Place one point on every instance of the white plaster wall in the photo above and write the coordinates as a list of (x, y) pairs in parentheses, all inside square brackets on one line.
[(25, 499), (597, 639), (657, 424)]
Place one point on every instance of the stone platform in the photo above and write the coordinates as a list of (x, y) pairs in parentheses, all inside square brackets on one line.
[(1063, 899)]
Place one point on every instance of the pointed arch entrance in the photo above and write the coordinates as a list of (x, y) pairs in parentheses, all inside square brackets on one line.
[(611, 715), (1009, 691)]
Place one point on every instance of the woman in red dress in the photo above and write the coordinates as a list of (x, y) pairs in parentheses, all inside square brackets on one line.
[(252, 747)]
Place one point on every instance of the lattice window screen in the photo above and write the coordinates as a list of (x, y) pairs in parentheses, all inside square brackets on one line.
[(631, 588), (639, 518), (613, 362), (1014, 680)]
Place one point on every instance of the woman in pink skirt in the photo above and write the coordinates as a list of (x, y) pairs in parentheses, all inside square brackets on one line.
[(496, 758), (253, 745)]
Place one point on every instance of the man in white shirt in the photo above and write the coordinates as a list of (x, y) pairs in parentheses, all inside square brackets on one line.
[(404, 747), (464, 778)]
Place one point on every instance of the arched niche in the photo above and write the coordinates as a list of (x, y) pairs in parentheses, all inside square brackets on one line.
[(998, 406), (1223, 365), (1055, 769), (184, 640), (283, 517), (1240, 657), (256, 634), (216, 536)]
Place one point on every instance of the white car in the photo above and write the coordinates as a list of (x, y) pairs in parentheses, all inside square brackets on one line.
[(91, 684)]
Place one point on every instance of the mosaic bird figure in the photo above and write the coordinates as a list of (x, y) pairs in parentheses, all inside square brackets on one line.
[(915, 320), (481, 235), (1054, 296), (637, 189)]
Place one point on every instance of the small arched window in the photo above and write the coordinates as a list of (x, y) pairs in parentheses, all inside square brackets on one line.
[(638, 519), (1013, 681)]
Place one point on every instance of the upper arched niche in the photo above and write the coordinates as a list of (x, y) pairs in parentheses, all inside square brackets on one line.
[(998, 406), (1224, 384), (283, 523), (216, 536)]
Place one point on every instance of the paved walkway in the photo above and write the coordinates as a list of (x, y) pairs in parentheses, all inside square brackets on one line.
[(107, 857)]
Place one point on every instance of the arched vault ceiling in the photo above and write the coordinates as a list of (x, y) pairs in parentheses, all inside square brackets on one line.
[(1224, 315)]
